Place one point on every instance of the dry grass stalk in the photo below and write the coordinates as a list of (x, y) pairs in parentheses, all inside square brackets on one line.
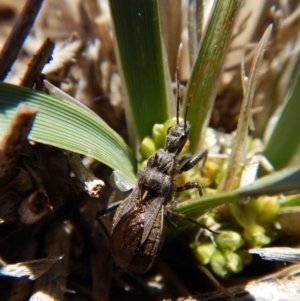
[(15, 40), (15, 141), (39, 60)]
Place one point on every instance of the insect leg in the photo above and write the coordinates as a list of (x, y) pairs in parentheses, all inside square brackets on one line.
[(107, 209), (183, 159), (171, 213), (190, 185), (193, 161)]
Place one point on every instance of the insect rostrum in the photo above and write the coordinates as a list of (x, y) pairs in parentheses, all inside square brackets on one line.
[(138, 224)]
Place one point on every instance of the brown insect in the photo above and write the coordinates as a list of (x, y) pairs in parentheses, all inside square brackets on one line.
[(138, 224)]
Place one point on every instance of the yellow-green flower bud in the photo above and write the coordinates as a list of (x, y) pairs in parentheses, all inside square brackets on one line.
[(229, 240), (218, 264), (147, 147), (266, 208), (224, 264), (211, 169), (256, 237), (204, 251), (169, 123), (234, 262), (159, 135)]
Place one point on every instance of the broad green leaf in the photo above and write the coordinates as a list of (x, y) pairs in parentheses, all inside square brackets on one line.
[(68, 126), (202, 85), (142, 66)]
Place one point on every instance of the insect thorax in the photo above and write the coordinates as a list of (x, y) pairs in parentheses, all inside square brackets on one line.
[(158, 175)]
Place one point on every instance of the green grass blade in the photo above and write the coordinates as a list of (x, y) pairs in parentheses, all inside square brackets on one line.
[(285, 181), (280, 182), (291, 201), (285, 139), (202, 85), (142, 66), (198, 206), (67, 126)]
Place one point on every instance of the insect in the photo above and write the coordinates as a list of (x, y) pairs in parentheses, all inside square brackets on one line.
[(138, 224)]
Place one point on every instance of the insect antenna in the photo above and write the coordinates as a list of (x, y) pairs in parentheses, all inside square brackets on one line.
[(178, 83)]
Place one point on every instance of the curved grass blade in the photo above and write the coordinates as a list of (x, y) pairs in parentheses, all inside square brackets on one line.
[(66, 125), (286, 181), (202, 85), (291, 201), (142, 66), (285, 139), (238, 152)]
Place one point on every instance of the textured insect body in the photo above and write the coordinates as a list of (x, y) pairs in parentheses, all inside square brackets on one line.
[(136, 232), (138, 224)]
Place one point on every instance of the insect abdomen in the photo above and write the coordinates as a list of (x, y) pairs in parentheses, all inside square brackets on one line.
[(126, 247)]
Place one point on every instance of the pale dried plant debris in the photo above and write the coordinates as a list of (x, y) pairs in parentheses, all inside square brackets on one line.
[(64, 55), (278, 253), (238, 153), (289, 28), (92, 185), (32, 269), (279, 66), (250, 170), (105, 36)]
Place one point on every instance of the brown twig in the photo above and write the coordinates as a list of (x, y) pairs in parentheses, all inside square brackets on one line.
[(18, 35), (15, 140), (37, 63)]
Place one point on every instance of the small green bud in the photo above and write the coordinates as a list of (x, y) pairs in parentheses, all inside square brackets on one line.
[(229, 240), (147, 147), (224, 264), (218, 264), (234, 262), (204, 251), (159, 135), (266, 208), (169, 123), (210, 171), (256, 237)]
